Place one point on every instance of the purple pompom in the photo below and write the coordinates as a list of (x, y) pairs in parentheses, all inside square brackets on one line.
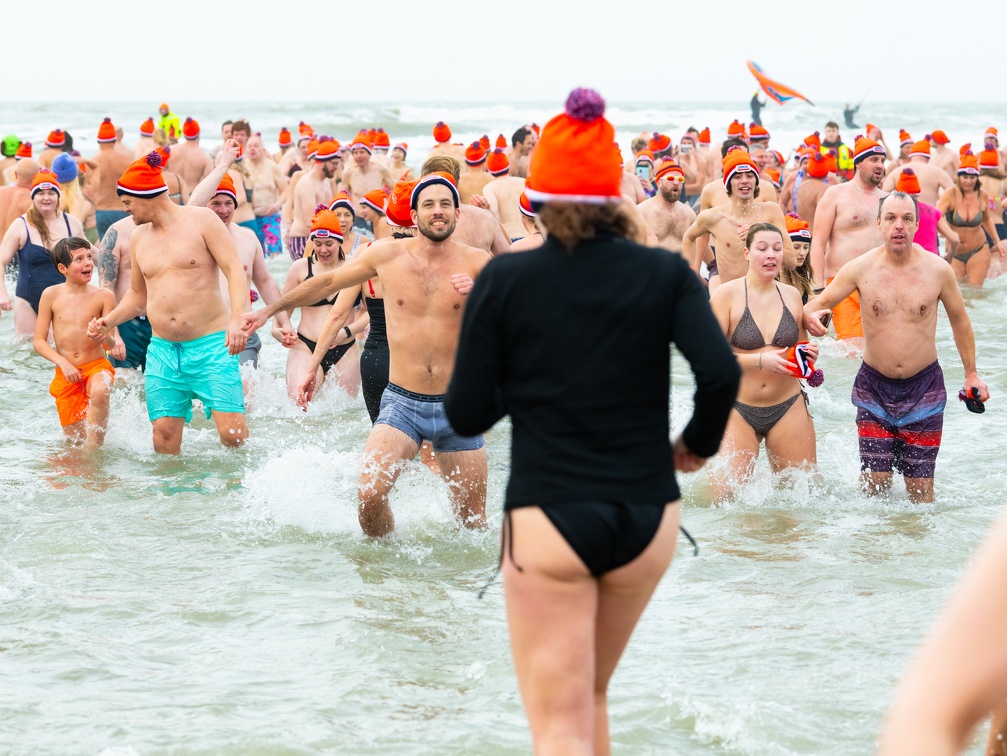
[(320, 207), (153, 160), (253, 296), (990, 144), (585, 105), (107, 120), (928, 137), (816, 379), (908, 171)]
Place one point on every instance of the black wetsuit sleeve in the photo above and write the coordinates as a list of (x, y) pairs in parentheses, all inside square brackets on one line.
[(474, 402), (699, 338)]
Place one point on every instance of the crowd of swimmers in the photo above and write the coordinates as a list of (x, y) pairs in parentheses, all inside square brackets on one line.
[(407, 291)]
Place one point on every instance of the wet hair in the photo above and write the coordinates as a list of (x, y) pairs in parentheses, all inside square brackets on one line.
[(241, 125), (519, 136), (572, 223), (444, 163), (729, 143), (756, 228), (62, 252), (901, 195)]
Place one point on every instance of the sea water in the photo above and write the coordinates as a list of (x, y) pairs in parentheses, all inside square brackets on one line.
[(227, 602)]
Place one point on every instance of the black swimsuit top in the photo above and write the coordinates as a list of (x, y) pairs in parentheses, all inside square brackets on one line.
[(747, 334), (323, 302), (956, 220)]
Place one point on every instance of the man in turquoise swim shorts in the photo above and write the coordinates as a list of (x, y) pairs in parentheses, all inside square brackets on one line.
[(177, 254)]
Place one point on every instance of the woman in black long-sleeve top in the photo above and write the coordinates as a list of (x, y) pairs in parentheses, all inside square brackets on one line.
[(591, 513)]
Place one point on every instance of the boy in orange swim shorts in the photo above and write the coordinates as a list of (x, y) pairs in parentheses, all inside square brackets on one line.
[(83, 373)]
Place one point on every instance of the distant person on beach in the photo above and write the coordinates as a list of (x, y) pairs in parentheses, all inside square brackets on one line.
[(112, 163), (503, 194), (314, 187), (475, 177), (177, 254), (845, 228), (189, 161), (169, 123), (591, 511), (83, 373), (757, 106), (941, 156), (363, 174), (522, 144), (268, 197), (813, 186), (933, 181), (899, 392), (844, 156), (848, 114)]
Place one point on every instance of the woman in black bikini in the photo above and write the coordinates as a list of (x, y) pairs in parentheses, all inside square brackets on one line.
[(326, 241), (30, 237), (966, 209), (769, 402)]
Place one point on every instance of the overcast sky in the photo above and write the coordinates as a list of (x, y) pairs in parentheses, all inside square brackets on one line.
[(452, 51)]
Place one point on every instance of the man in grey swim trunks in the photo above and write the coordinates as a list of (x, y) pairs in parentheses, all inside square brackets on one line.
[(425, 280)]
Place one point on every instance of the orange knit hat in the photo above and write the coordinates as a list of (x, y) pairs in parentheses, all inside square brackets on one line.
[(361, 142), (284, 139), (864, 147), (498, 164), (524, 205), (736, 130), (669, 169), (574, 160), (797, 229), (381, 139), (939, 136), (305, 130), (818, 166), (398, 212), (814, 140), (226, 187), (437, 177), (968, 165), (646, 156), (908, 182), (757, 133), (501, 142), (343, 200), (190, 129), (738, 161), (44, 179), (404, 147), (989, 158), (774, 177), (375, 200), (475, 154), (904, 138), (991, 133), (147, 128), (325, 225), (484, 142), (56, 138), (327, 149), (165, 153), (106, 132), (704, 136), (143, 178), (23, 151), (442, 132), (921, 147), (659, 142)]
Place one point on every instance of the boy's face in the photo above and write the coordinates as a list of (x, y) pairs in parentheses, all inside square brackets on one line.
[(81, 267)]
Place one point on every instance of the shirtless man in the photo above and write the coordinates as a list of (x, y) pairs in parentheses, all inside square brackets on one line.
[(112, 163), (188, 160), (940, 156), (812, 188), (115, 274), (475, 179), (668, 218), (845, 228), (522, 143), (903, 284), (268, 198), (442, 142), (363, 176), (503, 194), (314, 187), (727, 224), (715, 192), (176, 254), (146, 142), (53, 147), (932, 179), (425, 280), (477, 226), (15, 198)]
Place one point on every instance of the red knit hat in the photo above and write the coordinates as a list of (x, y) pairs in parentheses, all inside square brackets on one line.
[(864, 147), (305, 130), (284, 139), (398, 211), (968, 165), (991, 133), (327, 149), (989, 158), (704, 136), (757, 133), (574, 160), (143, 178), (738, 161), (437, 177), (814, 140), (484, 142), (147, 128), (56, 138), (375, 200), (659, 142), (44, 179), (736, 130), (312, 148), (818, 166), (797, 229), (497, 163), (442, 133), (226, 187), (939, 136), (106, 132), (908, 182), (361, 141), (921, 147), (669, 169), (23, 151), (475, 154), (904, 138), (165, 153), (190, 129), (325, 225), (501, 142), (343, 200), (381, 139)]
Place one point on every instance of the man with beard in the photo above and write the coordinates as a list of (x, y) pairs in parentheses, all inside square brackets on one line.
[(845, 228), (899, 392), (313, 188), (425, 280), (667, 217)]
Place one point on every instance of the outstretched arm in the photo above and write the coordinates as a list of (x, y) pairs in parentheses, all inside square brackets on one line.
[(207, 188)]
